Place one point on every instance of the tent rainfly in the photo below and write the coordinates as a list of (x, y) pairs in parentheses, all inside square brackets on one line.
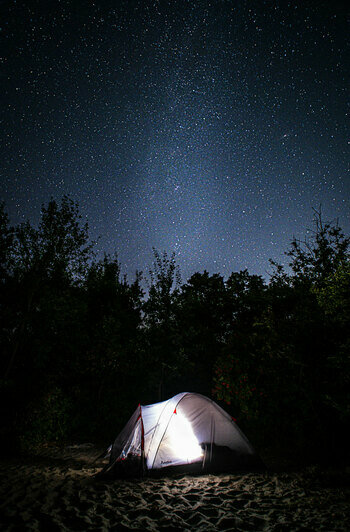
[(188, 432)]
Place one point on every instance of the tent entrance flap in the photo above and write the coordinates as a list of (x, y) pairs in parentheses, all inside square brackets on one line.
[(133, 445)]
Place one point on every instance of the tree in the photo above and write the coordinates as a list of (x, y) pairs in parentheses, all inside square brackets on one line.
[(46, 262), (317, 256), (334, 299), (160, 328), (202, 315), (59, 249), (286, 364), (318, 289), (6, 244), (41, 311), (238, 372), (164, 281), (110, 369)]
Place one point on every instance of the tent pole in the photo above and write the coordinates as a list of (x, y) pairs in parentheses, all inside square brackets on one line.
[(142, 444)]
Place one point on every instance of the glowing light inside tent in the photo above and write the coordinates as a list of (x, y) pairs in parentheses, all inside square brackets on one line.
[(183, 442)]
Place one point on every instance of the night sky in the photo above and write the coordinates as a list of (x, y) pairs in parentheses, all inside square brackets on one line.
[(208, 128)]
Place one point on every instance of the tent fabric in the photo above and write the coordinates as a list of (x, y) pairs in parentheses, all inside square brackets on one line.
[(187, 429)]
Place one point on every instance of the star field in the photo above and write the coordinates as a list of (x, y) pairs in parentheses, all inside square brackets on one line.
[(208, 128)]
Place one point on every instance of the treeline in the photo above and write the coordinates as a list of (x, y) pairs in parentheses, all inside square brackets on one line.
[(81, 345)]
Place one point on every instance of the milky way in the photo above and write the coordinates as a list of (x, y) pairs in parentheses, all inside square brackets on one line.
[(208, 128)]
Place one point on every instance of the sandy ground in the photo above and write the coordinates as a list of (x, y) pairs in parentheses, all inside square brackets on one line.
[(55, 490)]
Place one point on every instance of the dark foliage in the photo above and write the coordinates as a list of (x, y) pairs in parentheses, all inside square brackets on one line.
[(81, 346)]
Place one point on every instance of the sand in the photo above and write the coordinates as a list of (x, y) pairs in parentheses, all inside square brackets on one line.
[(55, 490)]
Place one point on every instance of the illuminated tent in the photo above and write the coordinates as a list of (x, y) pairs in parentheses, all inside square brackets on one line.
[(188, 432)]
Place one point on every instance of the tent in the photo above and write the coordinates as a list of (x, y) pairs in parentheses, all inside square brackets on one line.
[(188, 432)]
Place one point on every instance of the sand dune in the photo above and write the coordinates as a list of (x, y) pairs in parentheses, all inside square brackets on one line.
[(55, 490)]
